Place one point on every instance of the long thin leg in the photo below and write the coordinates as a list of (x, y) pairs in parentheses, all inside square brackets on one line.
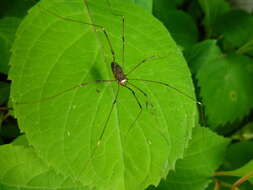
[(123, 38), (102, 133), (143, 61), (170, 86), (138, 115), (64, 91), (104, 31), (123, 41), (108, 117), (81, 22), (144, 93)]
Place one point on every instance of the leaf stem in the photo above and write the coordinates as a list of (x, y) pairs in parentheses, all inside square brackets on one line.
[(235, 185), (242, 180)]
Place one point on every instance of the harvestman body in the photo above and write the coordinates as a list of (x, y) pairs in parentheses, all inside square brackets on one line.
[(119, 74)]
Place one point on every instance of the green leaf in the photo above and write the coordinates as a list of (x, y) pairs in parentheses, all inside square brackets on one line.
[(247, 48), (177, 23), (246, 170), (212, 9), (8, 28), (246, 133), (16, 8), (52, 54), (21, 169), (194, 10), (201, 53), (204, 155), (146, 4), (226, 88), (235, 35), (238, 154), (161, 8), (227, 182)]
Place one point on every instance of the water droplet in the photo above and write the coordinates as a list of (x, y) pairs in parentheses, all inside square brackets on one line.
[(68, 133)]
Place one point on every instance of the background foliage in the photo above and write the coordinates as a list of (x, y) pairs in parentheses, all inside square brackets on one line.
[(216, 40)]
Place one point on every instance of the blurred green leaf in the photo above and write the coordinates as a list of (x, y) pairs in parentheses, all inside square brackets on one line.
[(16, 8), (177, 23), (246, 133), (226, 88), (247, 48), (194, 10), (204, 155), (52, 55), (229, 180), (146, 4), (201, 53), (4, 92), (244, 171), (8, 28), (21, 169), (236, 28), (161, 8), (238, 154), (212, 9)]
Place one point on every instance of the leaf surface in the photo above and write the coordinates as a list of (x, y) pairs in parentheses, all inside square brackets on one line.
[(238, 154), (16, 8), (201, 53), (226, 89), (236, 35), (146, 4), (212, 10), (244, 171), (52, 54), (8, 26), (204, 155), (177, 23), (21, 169)]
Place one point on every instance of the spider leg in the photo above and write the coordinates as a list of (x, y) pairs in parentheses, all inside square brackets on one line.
[(63, 92), (169, 86), (140, 106)]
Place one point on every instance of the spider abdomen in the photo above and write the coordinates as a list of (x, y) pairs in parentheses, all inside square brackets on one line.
[(118, 73)]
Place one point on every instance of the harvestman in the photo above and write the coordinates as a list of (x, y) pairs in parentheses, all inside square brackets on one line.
[(119, 75)]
